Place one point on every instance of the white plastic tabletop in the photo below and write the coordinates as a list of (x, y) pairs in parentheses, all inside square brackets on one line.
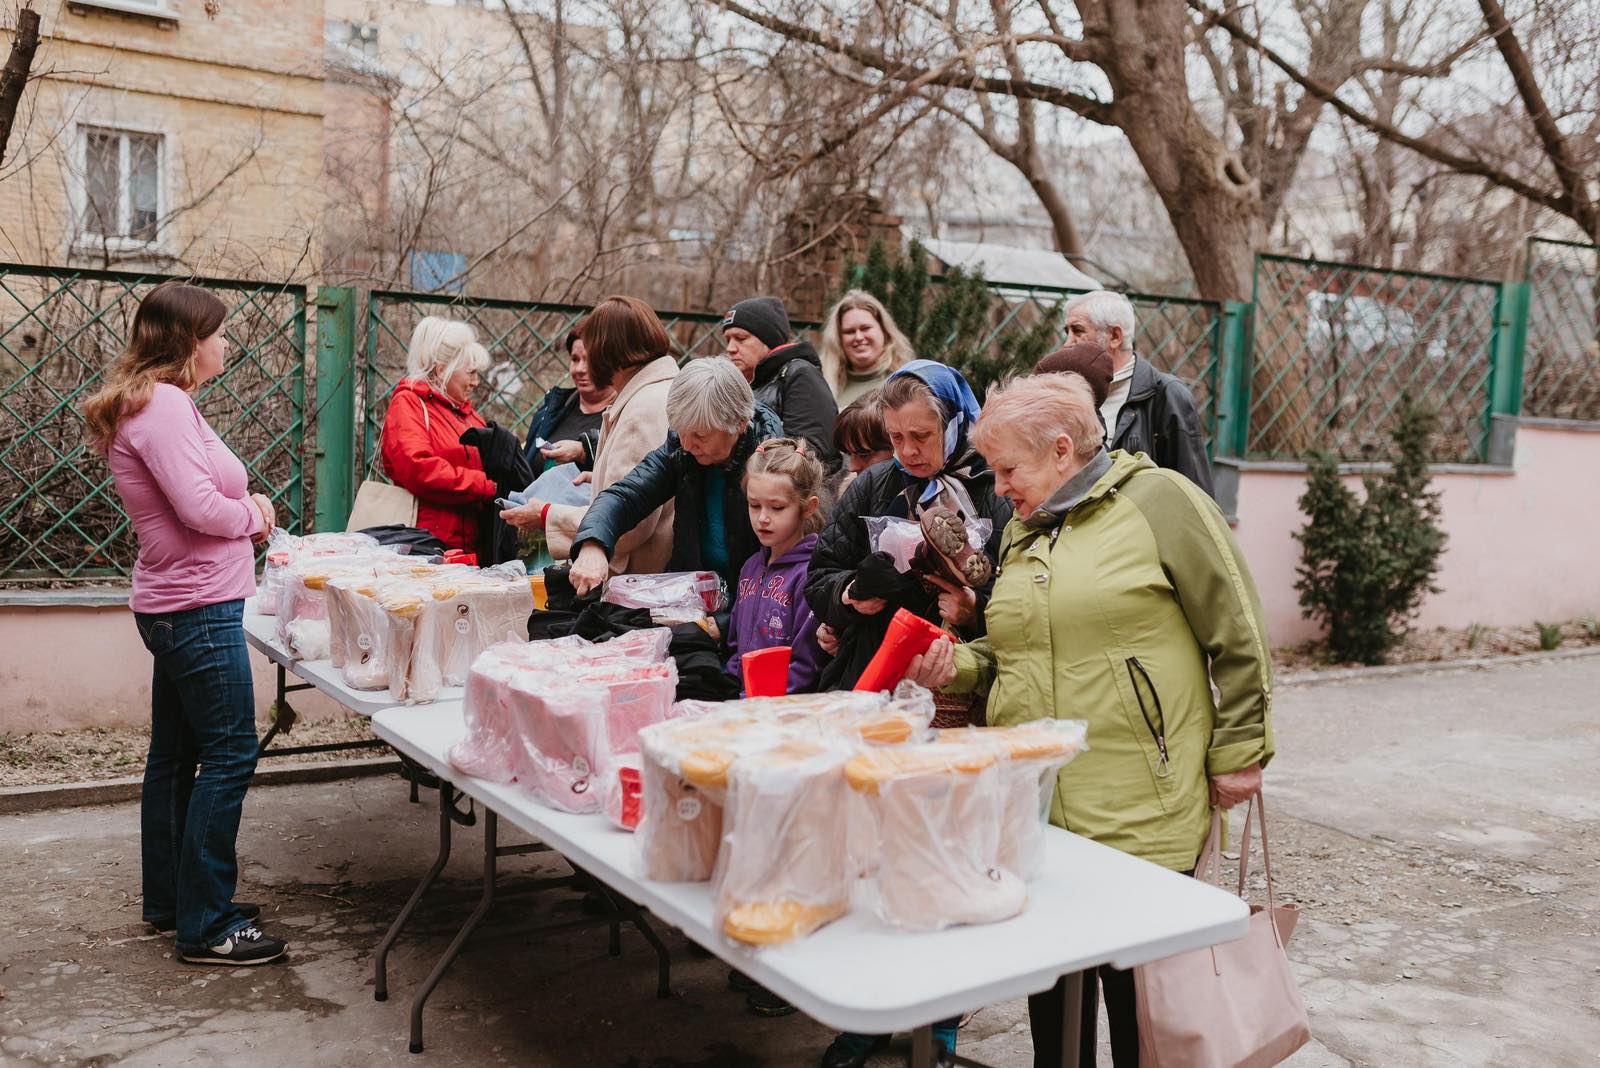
[(261, 632), (1092, 905)]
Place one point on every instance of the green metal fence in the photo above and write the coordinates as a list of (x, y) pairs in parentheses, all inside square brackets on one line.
[(60, 328), (1337, 346), (1562, 359)]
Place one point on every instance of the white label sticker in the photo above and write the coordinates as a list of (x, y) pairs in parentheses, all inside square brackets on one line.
[(689, 808), (461, 626), (364, 642), (580, 765)]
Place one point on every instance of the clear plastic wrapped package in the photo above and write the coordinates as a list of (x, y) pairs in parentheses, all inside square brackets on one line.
[(554, 716), (901, 538), (676, 597), (784, 869), (1032, 756), (684, 770), (454, 622), (284, 549), (939, 810), (302, 611)]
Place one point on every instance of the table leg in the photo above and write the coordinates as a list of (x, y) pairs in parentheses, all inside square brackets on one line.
[(380, 990), (922, 1047), (1071, 1018), (635, 916), (491, 823), (284, 715)]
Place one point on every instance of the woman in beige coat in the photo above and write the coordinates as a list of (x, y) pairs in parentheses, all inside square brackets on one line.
[(629, 350)]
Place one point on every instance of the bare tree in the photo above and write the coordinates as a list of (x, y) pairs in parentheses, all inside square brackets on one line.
[(14, 76)]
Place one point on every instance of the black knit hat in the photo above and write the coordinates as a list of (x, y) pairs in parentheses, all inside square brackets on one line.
[(763, 317)]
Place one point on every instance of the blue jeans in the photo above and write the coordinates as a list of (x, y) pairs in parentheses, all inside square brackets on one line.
[(202, 711)]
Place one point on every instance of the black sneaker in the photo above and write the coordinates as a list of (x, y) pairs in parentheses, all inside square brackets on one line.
[(169, 928), (764, 1003), (245, 947)]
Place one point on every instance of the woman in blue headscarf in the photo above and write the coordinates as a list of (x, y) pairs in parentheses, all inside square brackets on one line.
[(937, 479)]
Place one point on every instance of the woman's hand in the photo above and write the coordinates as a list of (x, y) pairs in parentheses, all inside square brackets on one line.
[(269, 517), (563, 452), (936, 667), (590, 569), (583, 477), (871, 606), (1236, 786), (525, 516), (827, 639), (958, 605)]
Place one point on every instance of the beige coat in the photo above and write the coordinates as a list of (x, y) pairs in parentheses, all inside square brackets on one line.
[(635, 424)]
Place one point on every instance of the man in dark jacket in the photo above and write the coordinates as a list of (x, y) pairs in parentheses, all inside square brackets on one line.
[(785, 374), (716, 426), (1146, 410)]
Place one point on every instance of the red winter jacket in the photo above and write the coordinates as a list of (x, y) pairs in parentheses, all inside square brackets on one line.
[(422, 453)]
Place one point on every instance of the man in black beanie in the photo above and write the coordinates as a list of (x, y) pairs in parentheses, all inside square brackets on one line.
[(785, 374)]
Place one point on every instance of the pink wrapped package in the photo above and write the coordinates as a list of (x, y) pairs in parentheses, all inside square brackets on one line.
[(552, 716)]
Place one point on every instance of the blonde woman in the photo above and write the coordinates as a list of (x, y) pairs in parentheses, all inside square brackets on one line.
[(186, 495), (861, 346), (428, 411)]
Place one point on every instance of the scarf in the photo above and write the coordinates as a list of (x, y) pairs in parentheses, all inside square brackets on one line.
[(961, 460)]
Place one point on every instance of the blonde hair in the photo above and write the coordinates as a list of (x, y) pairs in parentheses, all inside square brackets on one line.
[(1034, 411), (796, 461), (441, 347), (172, 320), (896, 349)]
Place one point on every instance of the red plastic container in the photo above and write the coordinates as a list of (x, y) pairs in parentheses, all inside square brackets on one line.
[(632, 796), (766, 672), (909, 635)]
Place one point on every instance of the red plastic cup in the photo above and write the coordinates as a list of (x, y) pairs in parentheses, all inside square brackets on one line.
[(766, 672), (632, 796), (909, 635)]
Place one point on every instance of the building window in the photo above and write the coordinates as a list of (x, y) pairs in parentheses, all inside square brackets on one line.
[(358, 38), (121, 185)]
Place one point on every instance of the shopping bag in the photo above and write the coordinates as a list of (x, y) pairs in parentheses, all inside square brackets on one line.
[(1233, 1005), (380, 504)]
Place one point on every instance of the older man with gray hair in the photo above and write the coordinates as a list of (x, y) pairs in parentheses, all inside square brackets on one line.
[(1146, 410), (716, 425)]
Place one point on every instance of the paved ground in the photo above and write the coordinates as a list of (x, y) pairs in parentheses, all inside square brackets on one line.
[(1439, 829)]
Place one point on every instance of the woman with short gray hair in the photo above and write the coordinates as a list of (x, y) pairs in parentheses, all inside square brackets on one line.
[(716, 425)]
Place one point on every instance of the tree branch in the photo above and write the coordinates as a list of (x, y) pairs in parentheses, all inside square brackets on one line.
[(1467, 165), (1086, 106), (14, 78), (1555, 144)]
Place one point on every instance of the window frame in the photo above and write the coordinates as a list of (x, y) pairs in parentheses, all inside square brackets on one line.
[(84, 239)]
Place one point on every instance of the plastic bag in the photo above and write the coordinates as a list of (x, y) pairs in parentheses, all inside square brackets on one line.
[(684, 766), (453, 619), (939, 809), (900, 538), (555, 486), (784, 869), (284, 549), (685, 594)]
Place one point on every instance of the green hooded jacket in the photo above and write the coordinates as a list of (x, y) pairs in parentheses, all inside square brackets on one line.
[(1124, 615)]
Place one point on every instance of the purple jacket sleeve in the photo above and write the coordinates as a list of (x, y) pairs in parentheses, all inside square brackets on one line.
[(169, 441), (805, 655)]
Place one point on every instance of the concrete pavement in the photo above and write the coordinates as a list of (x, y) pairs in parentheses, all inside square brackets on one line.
[(1439, 830)]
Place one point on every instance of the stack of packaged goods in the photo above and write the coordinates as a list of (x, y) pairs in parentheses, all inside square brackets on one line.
[(785, 803), (418, 630), (284, 549), (303, 628), (557, 717)]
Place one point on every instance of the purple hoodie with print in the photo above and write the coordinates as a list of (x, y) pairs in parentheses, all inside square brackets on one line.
[(769, 608)]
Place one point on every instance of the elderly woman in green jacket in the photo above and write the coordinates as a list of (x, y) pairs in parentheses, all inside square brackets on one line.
[(1121, 597)]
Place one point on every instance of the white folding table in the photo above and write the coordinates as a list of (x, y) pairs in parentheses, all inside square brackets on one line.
[(260, 631), (1092, 905)]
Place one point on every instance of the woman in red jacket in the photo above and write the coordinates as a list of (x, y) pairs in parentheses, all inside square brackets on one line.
[(428, 411)]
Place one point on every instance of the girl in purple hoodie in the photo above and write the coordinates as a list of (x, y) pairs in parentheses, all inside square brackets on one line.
[(783, 483)]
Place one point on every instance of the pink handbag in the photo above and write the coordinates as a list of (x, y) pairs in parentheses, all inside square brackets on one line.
[(1233, 1005)]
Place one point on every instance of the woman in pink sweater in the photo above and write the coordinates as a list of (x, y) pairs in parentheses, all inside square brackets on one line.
[(185, 493)]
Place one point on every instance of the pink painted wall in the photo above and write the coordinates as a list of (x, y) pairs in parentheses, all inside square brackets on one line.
[(69, 667), (1524, 545)]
